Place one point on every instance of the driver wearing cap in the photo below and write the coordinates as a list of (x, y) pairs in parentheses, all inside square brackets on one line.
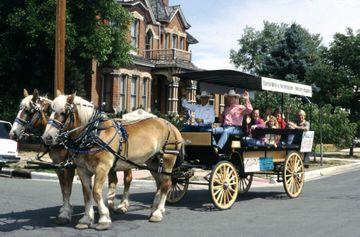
[(204, 112)]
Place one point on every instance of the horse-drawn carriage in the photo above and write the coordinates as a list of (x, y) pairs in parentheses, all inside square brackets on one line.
[(232, 172), (80, 135)]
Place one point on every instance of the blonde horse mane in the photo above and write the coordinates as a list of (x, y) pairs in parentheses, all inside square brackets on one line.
[(84, 108)]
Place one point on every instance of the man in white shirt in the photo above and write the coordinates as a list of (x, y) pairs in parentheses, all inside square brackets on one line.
[(204, 113)]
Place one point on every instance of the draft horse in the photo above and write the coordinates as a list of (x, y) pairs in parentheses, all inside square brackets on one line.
[(149, 143), (33, 114)]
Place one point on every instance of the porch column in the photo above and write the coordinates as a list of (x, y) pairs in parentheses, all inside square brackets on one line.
[(191, 92), (173, 95)]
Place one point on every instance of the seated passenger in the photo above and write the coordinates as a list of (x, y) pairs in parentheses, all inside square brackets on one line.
[(301, 124), (233, 117), (280, 118), (267, 114), (256, 122), (204, 113), (272, 139)]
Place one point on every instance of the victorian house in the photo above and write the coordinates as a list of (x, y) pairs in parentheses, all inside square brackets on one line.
[(161, 42)]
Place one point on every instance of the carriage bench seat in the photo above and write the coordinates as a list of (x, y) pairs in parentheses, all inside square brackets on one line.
[(197, 138)]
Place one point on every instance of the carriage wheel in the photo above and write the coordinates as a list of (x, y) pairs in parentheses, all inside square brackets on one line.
[(293, 175), (224, 185), (178, 190), (245, 183)]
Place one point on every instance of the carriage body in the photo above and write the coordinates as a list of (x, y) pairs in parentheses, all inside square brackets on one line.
[(232, 172)]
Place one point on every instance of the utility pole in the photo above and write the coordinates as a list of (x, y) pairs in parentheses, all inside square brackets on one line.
[(59, 83)]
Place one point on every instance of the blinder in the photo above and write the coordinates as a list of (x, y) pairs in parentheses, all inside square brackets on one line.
[(69, 114), (34, 113)]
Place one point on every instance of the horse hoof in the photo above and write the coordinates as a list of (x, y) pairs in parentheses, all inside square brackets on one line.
[(122, 210), (61, 221), (155, 218), (103, 226), (82, 226)]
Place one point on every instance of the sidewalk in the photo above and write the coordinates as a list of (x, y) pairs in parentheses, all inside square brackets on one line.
[(143, 177)]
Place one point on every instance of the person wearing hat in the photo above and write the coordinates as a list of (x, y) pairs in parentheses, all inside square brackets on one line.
[(233, 117), (204, 113)]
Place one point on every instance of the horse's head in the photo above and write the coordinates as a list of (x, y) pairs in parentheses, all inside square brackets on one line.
[(31, 115), (67, 113)]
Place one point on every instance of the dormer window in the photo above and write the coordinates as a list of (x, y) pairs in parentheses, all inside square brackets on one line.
[(135, 33)]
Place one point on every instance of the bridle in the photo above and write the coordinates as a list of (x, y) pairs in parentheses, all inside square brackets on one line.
[(34, 114), (69, 114)]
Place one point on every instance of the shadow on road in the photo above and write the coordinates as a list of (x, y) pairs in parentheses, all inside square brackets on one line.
[(195, 200), (44, 218), (200, 201)]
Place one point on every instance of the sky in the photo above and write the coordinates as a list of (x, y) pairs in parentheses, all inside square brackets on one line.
[(218, 24)]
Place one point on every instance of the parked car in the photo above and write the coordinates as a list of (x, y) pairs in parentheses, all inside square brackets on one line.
[(8, 147)]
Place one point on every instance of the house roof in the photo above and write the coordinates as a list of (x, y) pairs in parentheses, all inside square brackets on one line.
[(172, 10), (191, 39), (160, 12), (139, 3)]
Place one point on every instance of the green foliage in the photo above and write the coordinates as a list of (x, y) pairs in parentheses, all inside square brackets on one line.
[(338, 74), (255, 45), (94, 29), (337, 128), (172, 118), (293, 56)]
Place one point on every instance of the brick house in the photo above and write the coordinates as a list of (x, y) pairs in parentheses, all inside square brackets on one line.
[(159, 35)]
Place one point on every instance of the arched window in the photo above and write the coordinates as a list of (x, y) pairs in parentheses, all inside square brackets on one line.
[(148, 43)]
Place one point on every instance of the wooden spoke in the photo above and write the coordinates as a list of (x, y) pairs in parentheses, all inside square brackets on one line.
[(177, 191), (245, 183), (293, 175), (223, 185)]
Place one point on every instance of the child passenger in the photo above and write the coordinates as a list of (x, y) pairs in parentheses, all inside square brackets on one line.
[(272, 139)]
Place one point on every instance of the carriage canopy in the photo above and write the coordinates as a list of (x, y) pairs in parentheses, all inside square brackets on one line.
[(220, 81)]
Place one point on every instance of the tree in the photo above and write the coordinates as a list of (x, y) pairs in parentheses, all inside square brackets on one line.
[(255, 45), (95, 30), (338, 74), (293, 56)]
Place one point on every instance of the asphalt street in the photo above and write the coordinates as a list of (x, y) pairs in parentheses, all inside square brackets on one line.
[(327, 207)]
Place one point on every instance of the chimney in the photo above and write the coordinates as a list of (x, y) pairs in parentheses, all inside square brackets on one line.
[(166, 3)]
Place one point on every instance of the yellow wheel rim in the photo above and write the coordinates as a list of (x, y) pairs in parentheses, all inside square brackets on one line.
[(293, 175), (224, 185)]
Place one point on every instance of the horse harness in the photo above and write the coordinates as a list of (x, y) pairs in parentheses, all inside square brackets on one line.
[(89, 138)]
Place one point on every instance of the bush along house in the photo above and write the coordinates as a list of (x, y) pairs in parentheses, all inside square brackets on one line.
[(159, 35)]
